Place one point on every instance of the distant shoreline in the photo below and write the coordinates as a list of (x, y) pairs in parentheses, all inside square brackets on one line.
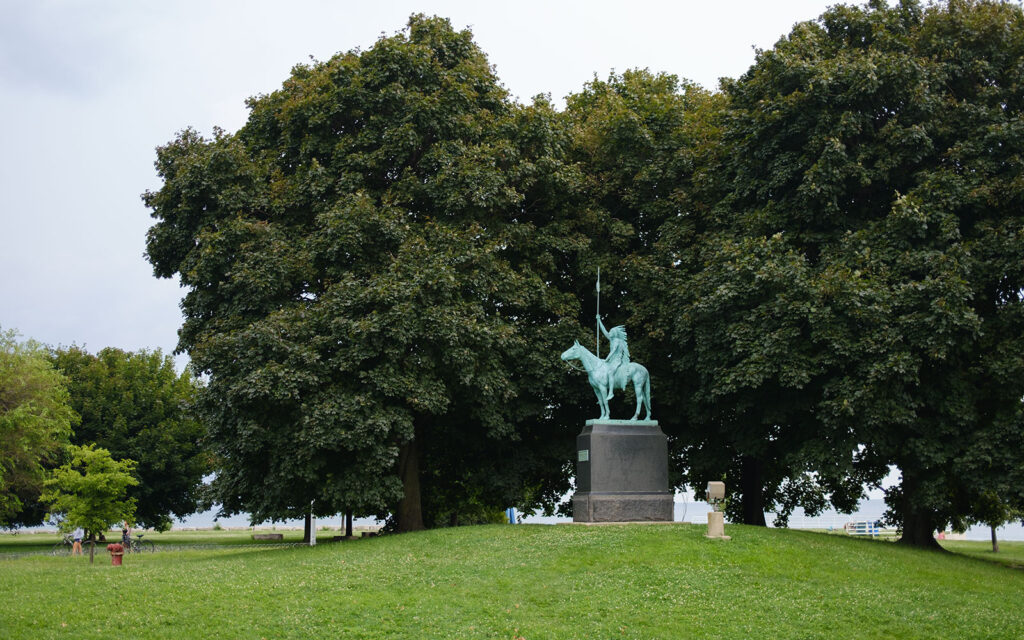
[(685, 511)]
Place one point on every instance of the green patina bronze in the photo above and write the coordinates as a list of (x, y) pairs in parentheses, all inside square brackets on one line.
[(614, 372)]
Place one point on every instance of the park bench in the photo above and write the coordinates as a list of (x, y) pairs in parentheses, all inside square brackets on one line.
[(863, 528), (268, 536)]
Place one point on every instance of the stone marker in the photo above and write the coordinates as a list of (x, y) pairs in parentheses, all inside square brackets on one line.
[(716, 525), (716, 519)]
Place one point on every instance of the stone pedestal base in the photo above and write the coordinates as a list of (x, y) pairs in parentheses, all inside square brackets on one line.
[(621, 507), (716, 525), (622, 473)]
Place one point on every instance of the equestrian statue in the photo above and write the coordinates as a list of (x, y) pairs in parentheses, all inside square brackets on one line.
[(614, 372)]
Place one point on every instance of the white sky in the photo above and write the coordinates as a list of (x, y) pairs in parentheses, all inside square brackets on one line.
[(89, 89)]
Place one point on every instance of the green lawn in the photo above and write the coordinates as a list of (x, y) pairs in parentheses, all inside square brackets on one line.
[(1010, 553), (656, 581), (29, 542)]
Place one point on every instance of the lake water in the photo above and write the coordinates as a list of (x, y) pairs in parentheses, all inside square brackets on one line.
[(870, 510), (685, 511)]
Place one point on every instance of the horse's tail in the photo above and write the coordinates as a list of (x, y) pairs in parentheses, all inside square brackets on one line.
[(647, 390)]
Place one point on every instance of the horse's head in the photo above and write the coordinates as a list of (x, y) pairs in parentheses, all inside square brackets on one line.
[(572, 353)]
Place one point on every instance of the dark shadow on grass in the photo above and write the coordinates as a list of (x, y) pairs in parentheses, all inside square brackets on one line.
[(991, 558)]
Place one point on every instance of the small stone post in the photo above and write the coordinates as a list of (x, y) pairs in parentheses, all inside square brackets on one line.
[(716, 519), (312, 526)]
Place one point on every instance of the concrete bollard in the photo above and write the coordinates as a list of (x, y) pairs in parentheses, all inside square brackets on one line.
[(716, 525)]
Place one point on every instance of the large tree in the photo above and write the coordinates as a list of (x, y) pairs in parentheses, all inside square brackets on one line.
[(36, 420), (647, 143), (375, 266), (640, 139), (854, 298), (135, 405)]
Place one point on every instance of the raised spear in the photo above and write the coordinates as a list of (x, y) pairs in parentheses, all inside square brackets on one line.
[(597, 327)]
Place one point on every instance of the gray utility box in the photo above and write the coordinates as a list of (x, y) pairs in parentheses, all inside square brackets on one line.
[(622, 473)]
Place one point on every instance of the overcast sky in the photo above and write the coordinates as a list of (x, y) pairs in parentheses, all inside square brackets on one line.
[(89, 89)]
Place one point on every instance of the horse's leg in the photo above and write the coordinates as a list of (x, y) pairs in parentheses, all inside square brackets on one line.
[(602, 398), (600, 384), (647, 395), (638, 392), (599, 392)]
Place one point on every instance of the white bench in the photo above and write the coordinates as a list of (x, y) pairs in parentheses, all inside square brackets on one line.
[(863, 528)]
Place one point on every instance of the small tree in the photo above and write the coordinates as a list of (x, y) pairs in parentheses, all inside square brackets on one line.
[(91, 491), (993, 510)]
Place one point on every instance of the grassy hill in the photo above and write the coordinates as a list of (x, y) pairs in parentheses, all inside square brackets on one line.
[(656, 581)]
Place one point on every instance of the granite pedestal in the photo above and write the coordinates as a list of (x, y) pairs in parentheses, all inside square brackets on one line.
[(622, 473)]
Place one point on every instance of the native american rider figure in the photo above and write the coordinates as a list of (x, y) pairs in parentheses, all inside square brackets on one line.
[(618, 352), (614, 372)]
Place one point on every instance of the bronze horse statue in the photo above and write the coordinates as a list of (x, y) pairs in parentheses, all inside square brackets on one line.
[(606, 379)]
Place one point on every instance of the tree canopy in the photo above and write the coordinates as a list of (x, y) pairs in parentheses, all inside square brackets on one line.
[(36, 421), (853, 299), (136, 406), (90, 491), (823, 263), (640, 139), (376, 265)]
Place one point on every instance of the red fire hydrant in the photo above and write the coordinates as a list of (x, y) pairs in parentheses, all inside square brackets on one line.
[(116, 553)]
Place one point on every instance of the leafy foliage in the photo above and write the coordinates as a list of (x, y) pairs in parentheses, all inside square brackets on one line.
[(137, 407), (639, 138), (853, 296), (824, 266), (91, 490), (374, 266), (36, 420)]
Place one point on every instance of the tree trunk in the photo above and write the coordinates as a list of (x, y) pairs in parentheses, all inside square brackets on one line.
[(752, 490), (306, 527), (92, 546), (348, 524), (919, 531), (995, 542), (409, 516), (918, 524)]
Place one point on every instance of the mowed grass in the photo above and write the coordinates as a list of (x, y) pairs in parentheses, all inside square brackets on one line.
[(528, 581), (1011, 553), (35, 542)]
